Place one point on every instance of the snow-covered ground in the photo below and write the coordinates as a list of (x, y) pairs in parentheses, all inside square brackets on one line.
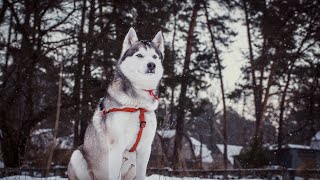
[(152, 177), (30, 178)]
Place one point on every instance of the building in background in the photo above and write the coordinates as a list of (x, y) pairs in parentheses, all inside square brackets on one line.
[(299, 156)]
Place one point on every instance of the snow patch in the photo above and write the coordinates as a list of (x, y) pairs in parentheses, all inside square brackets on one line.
[(41, 131), (206, 153), (159, 177), (288, 146), (297, 146), (166, 133), (31, 178), (152, 177), (315, 141), (43, 137), (232, 150), (65, 142), (316, 137)]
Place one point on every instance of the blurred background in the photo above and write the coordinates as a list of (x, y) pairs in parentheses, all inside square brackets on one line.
[(241, 87)]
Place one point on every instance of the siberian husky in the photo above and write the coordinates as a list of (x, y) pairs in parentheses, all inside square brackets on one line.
[(117, 143)]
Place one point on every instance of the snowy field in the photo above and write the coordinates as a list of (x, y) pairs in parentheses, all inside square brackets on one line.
[(152, 177)]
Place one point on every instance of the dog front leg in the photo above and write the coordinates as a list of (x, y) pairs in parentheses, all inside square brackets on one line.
[(114, 164), (142, 161)]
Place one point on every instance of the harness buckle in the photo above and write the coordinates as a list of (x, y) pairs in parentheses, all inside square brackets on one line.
[(143, 124)]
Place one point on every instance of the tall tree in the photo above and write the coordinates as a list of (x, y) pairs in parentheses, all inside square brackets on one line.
[(219, 67), (184, 84), (24, 89), (272, 59), (78, 71)]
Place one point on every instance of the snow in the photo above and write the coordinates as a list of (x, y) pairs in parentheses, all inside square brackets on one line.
[(166, 133), (31, 178), (65, 142), (297, 146), (159, 177), (232, 150), (315, 141), (152, 177), (41, 131), (288, 146), (43, 137), (316, 137), (206, 153)]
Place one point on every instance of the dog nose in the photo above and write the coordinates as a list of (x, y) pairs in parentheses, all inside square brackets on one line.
[(151, 66)]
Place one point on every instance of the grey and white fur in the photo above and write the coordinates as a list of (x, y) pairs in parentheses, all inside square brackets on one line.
[(105, 152)]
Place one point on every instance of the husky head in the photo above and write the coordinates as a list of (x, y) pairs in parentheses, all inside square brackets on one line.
[(141, 61)]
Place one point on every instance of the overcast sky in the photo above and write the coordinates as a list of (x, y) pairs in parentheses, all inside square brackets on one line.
[(232, 59)]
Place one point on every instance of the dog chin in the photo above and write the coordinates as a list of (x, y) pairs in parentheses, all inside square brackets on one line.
[(146, 81), (147, 84)]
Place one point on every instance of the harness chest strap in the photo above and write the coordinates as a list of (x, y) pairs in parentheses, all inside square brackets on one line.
[(141, 118), (152, 94)]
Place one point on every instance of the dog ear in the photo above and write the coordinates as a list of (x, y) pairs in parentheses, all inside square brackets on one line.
[(159, 42), (129, 40)]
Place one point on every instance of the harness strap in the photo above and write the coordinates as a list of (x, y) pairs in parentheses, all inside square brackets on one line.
[(142, 125), (152, 94), (141, 118)]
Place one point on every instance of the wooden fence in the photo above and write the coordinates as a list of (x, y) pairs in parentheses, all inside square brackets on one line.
[(214, 174)]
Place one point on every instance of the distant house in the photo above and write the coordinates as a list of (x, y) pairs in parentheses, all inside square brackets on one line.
[(298, 156), (194, 153), (39, 144), (232, 151), (315, 141)]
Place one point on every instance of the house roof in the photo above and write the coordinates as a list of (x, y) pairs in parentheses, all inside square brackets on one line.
[(232, 151), (316, 137), (167, 133), (288, 146), (206, 153)]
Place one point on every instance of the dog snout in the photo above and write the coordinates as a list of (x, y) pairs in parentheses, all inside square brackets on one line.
[(151, 66)]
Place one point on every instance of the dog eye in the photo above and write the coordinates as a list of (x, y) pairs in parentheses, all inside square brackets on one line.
[(139, 56), (154, 57)]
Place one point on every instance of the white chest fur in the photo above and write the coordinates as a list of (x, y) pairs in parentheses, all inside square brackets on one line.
[(122, 128)]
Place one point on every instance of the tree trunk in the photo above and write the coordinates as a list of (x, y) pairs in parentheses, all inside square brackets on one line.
[(184, 85), (172, 107), (77, 78), (258, 132), (105, 29), (312, 97), (28, 63), (7, 56), (56, 125), (10, 147), (200, 154), (87, 73), (3, 10), (254, 84), (217, 57), (282, 109), (257, 89)]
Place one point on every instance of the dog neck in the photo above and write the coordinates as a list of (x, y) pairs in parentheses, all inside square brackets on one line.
[(126, 95)]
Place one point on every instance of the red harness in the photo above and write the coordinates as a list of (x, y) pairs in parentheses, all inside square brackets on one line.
[(141, 118)]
